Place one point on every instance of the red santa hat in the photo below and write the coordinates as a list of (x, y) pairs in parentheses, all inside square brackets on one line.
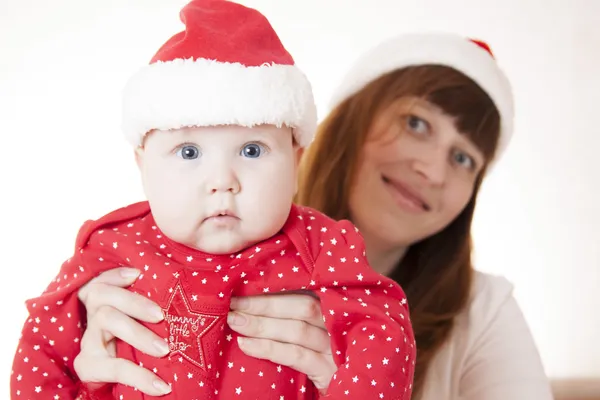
[(228, 67), (473, 58)]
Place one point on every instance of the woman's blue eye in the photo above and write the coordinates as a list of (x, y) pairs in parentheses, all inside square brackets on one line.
[(252, 150), (188, 152), (464, 160), (417, 124)]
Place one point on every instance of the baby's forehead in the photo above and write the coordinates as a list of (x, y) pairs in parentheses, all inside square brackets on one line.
[(225, 133), (241, 129)]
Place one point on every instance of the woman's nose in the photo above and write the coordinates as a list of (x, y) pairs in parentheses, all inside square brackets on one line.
[(433, 166)]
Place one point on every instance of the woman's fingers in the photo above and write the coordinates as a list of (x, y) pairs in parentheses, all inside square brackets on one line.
[(286, 329), (99, 369), (286, 306), (111, 309), (121, 277), (109, 322), (317, 366), (96, 362), (98, 293), (292, 331)]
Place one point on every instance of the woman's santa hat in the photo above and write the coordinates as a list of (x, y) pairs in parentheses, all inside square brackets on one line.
[(473, 58), (228, 67)]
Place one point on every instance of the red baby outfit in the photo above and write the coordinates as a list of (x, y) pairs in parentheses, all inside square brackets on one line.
[(365, 314)]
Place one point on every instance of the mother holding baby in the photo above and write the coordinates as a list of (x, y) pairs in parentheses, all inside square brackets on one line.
[(414, 127)]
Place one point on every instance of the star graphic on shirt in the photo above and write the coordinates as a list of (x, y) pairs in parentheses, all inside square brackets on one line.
[(186, 327)]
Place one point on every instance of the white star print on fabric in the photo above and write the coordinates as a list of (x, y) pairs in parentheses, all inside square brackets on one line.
[(365, 314)]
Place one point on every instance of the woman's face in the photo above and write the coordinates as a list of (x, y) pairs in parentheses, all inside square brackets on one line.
[(416, 175)]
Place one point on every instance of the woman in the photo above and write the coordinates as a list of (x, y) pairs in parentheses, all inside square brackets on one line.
[(413, 129)]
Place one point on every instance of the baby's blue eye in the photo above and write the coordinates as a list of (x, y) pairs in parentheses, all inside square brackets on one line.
[(188, 152), (252, 150)]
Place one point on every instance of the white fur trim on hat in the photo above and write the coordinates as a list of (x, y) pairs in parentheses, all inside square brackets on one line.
[(450, 50), (187, 93)]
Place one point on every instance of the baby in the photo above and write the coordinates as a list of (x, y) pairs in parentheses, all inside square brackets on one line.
[(218, 120)]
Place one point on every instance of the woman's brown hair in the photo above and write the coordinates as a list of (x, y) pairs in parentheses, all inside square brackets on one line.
[(435, 273)]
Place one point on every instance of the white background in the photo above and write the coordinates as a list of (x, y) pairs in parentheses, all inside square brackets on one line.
[(63, 160)]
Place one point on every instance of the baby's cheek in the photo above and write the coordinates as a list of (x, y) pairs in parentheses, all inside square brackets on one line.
[(177, 217), (263, 225)]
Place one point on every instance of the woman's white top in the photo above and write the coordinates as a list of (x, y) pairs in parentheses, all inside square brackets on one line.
[(490, 354)]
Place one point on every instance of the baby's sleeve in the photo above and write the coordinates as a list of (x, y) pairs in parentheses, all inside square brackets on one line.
[(50, 338), (367, 318)]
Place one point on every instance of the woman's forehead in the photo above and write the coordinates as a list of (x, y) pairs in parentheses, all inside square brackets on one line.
[(408, 102)]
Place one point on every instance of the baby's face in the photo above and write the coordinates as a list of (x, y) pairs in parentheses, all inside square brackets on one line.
[(219, 189)]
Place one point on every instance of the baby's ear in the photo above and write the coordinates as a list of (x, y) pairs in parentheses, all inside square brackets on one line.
[(139, 156), (299, 151)]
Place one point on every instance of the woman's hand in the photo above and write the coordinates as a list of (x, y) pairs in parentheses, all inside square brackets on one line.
[(111, 310), (286, 329)]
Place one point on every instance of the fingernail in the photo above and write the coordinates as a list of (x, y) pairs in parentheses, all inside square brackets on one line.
[(129, 272), (236, 319), (157, 313), (162, 346), (162, 387), (239, 303), (244, 342)]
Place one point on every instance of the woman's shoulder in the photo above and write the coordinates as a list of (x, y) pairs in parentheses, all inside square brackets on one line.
[(490, 353), (489, 295), (490, 287), (489, 292)]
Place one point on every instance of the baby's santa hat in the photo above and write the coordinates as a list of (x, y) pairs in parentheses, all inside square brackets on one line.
[(474, 58), (228, 67)]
